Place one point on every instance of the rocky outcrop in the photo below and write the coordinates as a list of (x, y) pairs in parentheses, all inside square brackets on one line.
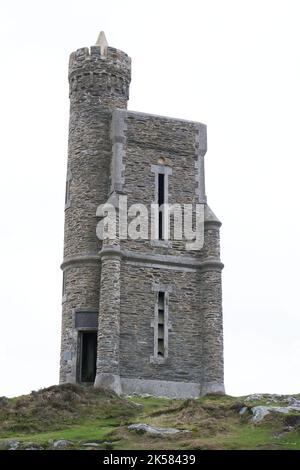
[(152, 431), (273, 404)]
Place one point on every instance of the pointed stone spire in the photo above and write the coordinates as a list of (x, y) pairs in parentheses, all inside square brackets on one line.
[(102, 43)]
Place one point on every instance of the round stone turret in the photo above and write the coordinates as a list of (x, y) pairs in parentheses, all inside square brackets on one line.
[(99, 80), (100, 75)]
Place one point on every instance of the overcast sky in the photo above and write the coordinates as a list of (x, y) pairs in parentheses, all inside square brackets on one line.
[(233, 65)]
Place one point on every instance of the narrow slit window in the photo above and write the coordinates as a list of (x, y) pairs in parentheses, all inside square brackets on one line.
[(161, 200), (161, 188), (161, 325)]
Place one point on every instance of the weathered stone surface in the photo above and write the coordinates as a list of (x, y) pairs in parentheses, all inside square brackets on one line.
[(270, 398), (108, 354), (152, 431), (27, 446), (136, 338), (160, 388), (260, 412), (82, 287), (3, 401), (112, 151), (264, 396), (11, 444), (33, 446), (62, 443), (243, 410)]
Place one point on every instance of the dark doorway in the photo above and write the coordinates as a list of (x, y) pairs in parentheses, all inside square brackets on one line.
[(88, 355)]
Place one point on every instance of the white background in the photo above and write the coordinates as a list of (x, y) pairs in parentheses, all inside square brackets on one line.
[(234, 65)]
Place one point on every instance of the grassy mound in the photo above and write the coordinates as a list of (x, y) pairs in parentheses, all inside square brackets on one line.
[(62, 407), (84, 414)]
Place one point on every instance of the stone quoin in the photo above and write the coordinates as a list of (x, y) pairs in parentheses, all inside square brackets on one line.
[(138, 316)]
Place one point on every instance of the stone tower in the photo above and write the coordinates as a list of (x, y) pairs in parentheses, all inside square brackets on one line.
[(138, 315)]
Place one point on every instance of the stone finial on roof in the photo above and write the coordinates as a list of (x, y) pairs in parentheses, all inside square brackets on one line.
[(102, 42)]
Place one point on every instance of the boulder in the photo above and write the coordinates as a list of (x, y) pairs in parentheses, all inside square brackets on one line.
[(11, 444), (31, 446), (3, 401), (61, 444), (259, 412), (243, 410), (141, 428)]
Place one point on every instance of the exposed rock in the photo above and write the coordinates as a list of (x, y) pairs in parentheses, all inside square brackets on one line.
[(90, 444), (31, 446), (292, 401), (255, 397), (243, 410), (3, 401), (273, 398), (61, 444), (150, 430), (259, 412), (11, 445)]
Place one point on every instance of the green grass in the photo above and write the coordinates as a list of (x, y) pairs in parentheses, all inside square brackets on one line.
[(77, 433), (152, 404), (292, 441), (83, 414)]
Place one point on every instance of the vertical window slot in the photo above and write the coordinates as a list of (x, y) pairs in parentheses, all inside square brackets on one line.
[(161, 325), (161, 200), (161, 189)]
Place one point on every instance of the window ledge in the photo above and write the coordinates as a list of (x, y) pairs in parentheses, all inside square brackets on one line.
[(163, 243), (157, 360)]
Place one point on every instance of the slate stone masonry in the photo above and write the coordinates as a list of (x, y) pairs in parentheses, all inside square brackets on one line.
[(113, 151)]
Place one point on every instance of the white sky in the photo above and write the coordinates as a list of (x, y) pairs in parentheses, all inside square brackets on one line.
[(234, 65)]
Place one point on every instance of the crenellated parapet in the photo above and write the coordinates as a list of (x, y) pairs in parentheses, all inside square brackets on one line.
[(102, 73)]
